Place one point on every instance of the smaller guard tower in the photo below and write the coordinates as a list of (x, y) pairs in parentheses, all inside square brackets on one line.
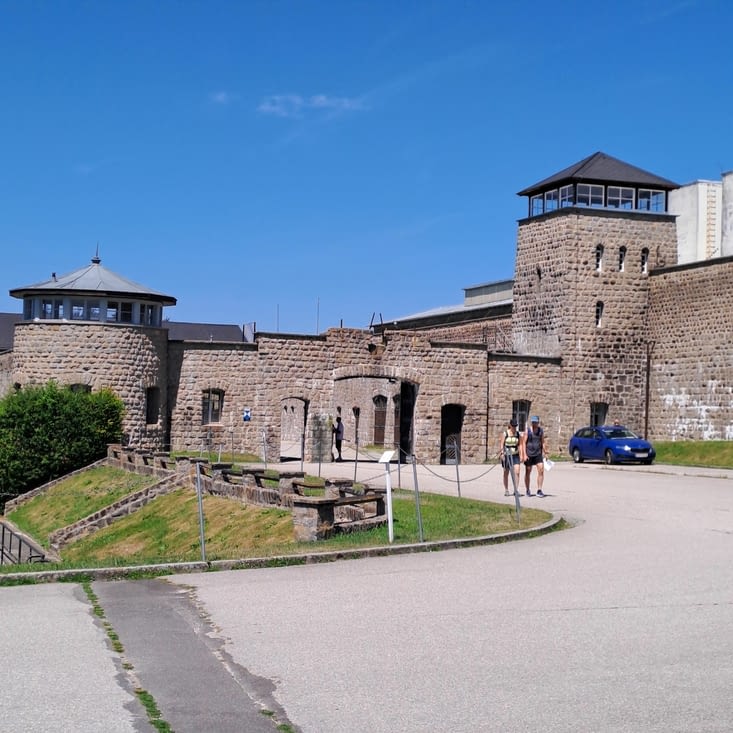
[(93, 329)]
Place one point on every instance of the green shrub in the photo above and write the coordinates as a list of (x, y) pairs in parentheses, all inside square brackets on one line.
[(46, 432)]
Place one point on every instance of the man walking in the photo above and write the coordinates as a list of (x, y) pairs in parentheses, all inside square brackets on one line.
[(338, 434), (534, 452)]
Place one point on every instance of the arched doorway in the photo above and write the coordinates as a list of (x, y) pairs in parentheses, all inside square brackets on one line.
[(293, 417)]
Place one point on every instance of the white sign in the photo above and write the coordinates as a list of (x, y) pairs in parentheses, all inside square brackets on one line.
[(387, 456)]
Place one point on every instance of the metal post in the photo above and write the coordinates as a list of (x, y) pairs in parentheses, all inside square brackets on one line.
[(458, 477), (417, 500), (202, 538), (388, 485), (302, 450), (264, 447)]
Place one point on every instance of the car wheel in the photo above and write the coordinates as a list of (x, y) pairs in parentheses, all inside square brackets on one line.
[(609, 456), (577, 458), (648, 461)]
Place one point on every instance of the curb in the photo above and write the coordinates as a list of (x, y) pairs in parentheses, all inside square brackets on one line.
[(309, 558)]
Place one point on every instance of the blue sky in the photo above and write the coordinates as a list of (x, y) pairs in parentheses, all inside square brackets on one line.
[(302, 164)]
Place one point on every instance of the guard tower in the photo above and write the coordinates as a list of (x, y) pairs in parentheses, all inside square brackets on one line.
[(90, 329), (592, 233)]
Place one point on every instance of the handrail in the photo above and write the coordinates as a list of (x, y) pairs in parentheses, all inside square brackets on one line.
[(15, 549)]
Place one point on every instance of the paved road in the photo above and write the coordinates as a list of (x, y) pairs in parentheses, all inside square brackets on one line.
[(623, 623)]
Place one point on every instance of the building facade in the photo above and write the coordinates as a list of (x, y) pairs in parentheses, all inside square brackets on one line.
[(601, 322)]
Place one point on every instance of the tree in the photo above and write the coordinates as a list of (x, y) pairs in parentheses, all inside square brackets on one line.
[(46, 432)]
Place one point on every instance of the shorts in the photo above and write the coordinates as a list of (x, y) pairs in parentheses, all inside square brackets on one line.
[(533, 460), (513, 460)]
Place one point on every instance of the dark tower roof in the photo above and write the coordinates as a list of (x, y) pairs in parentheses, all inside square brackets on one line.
[(602, 168), (94, 280)]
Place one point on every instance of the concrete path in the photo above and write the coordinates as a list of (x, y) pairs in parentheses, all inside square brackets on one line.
[(623, 623)]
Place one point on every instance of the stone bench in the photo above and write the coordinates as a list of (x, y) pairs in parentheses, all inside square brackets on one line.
[(314, 516)]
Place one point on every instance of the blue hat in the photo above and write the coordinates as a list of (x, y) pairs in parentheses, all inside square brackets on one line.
[(535, 418)]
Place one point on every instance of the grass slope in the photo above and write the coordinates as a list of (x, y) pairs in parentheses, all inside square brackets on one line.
[(167, 529)]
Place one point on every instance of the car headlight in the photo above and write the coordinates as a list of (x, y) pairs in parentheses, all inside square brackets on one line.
[(627, 447)]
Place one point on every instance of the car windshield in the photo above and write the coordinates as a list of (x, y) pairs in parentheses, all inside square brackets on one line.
[(618, 433)]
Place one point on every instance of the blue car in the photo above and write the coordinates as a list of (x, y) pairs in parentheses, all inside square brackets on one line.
[(610, 443)]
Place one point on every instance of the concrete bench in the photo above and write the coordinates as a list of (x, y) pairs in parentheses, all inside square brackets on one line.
[(314, 516)]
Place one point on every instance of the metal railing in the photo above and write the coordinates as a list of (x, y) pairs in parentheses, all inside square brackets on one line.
[(16, 550)]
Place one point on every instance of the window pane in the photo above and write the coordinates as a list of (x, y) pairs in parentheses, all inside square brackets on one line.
[(567, 196), (126, 312), (212, 401), (94, 310), (596, 196), (551, 200), (620, 198), (537, 205), (77, 310)]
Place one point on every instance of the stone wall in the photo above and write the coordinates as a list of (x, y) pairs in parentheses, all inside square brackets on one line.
[(329, 375), (126, 359), (690, 324)]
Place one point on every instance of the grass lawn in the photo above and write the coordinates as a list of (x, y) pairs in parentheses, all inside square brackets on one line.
[(167, 529), (75, 498)]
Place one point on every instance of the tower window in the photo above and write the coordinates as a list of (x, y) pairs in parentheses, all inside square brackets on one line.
[(599, 313), (645, 260), (537, 205), (599, 258), (152, 405), (620, 198), (650, 200), (621, 258), (551, 200), (590, 195), (567, 196)]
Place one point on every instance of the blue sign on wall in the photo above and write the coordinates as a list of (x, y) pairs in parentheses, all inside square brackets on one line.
[(247, 414)]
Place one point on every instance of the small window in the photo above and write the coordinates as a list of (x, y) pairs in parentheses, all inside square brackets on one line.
[(598, 413), (152, 405), (84, 388), (520, 412), (94, 310), (620, 198), (590, 195), (113, 311), (551, 200), (650, 200), (567, 196), (621, 258), (599, 313), (645, 261), (78, 312), (27, 309), (599, 258), (536, 205), (125, 312), (212, 403), (146, 314)]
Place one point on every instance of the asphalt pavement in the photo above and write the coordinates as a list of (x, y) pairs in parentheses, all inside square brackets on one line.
[(622, 623)]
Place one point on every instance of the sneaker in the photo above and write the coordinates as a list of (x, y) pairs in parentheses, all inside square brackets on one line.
[(541, 493), (506, 493), (529, 493)]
